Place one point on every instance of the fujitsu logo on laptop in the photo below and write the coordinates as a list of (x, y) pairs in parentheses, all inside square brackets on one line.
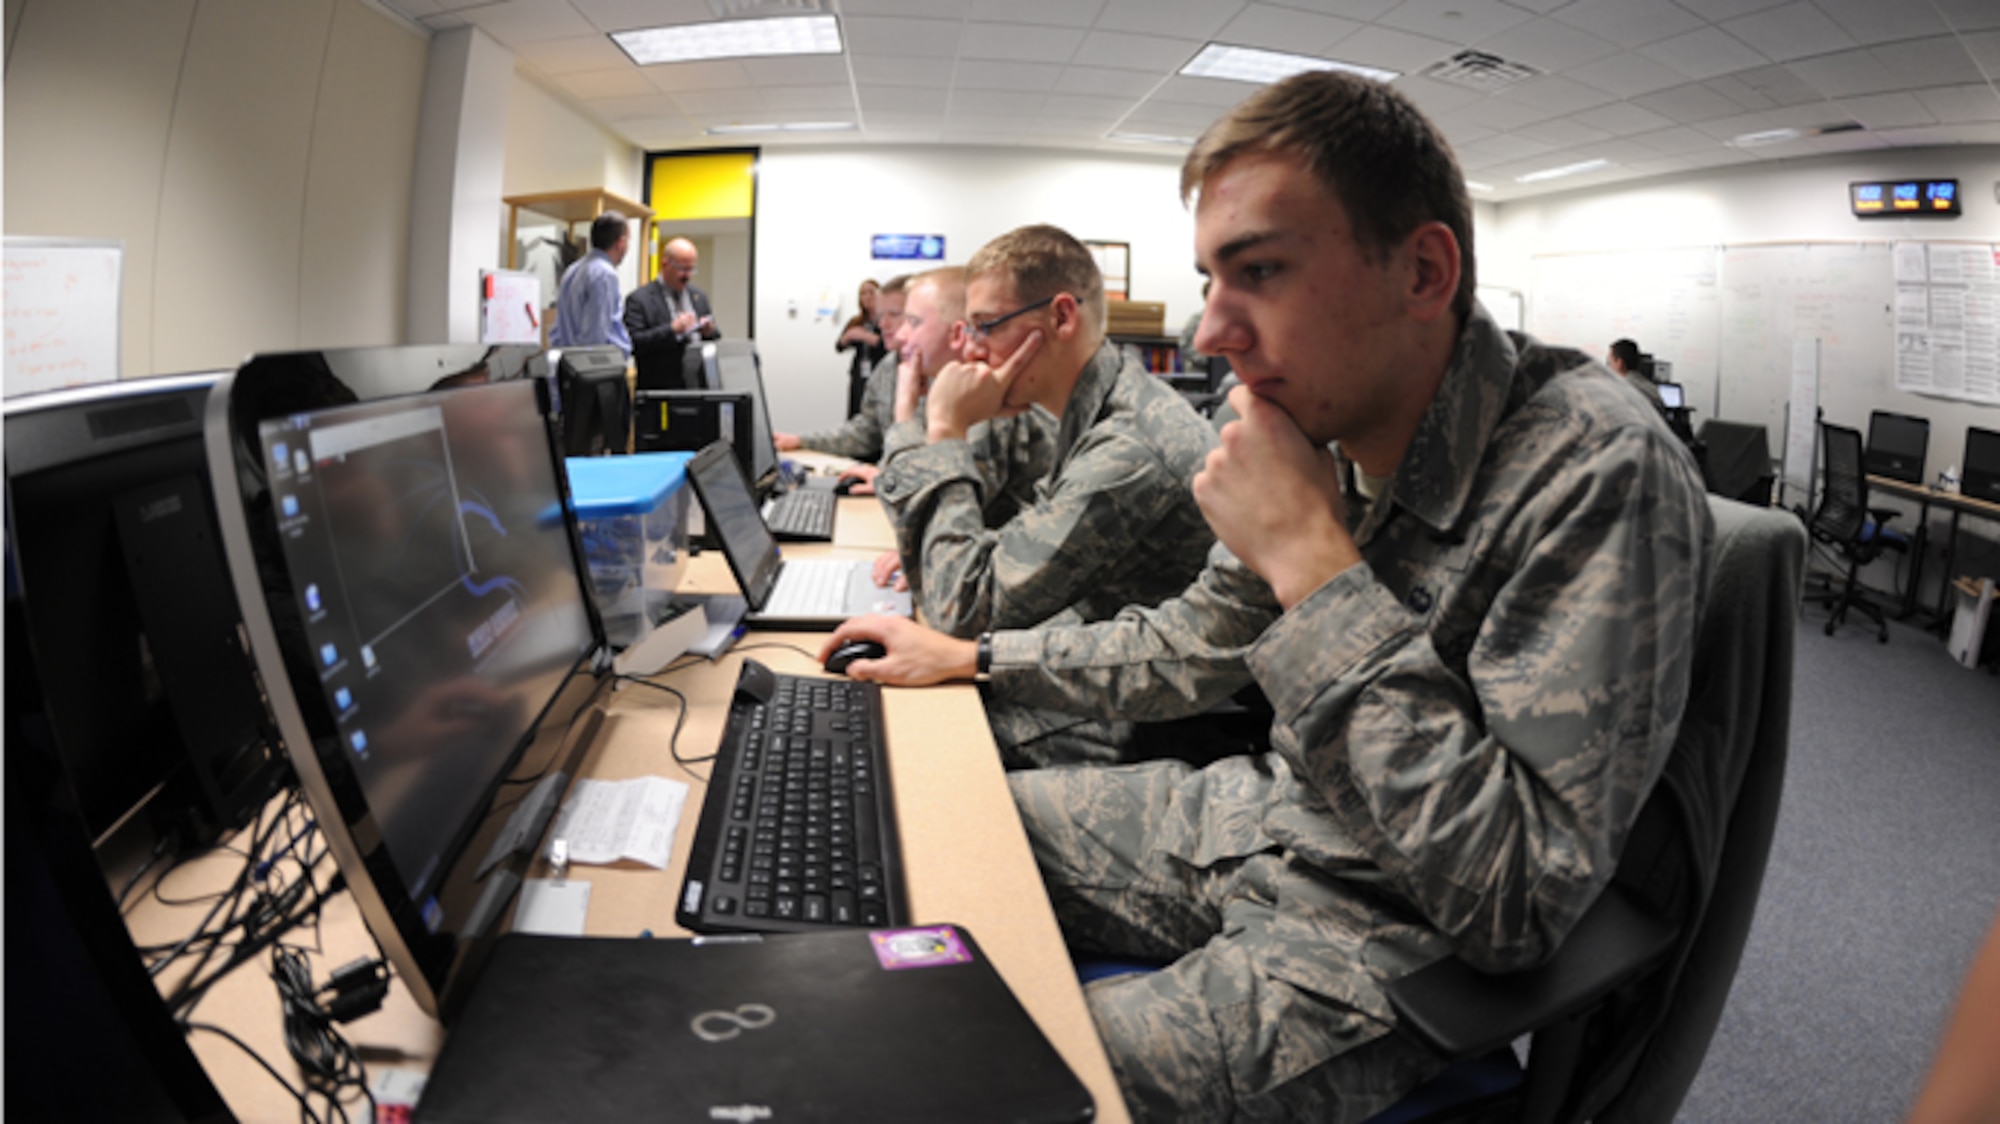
[(741, 1113)]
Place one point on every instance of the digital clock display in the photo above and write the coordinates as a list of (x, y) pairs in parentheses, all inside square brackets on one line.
[(1904, 198)]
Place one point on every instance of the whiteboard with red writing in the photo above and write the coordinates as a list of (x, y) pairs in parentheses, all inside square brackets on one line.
[(61, 306)]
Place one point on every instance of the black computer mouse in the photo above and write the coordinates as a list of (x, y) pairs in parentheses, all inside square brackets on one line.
[(854, 650), (846, 485)]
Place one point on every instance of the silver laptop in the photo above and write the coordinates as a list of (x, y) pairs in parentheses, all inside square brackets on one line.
[(810, 594)]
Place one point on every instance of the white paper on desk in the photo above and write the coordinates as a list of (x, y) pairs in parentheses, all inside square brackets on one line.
[(606, 821), (555, 909)]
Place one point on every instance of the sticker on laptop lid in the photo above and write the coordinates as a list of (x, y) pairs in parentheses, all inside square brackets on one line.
[(919, 948)]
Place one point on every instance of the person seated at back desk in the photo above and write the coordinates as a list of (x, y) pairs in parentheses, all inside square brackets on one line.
[(1112, 524), (1474, 621), (860, 436)]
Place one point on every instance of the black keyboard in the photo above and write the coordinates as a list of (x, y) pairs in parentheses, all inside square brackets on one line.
[(802, 515), (798, 831)]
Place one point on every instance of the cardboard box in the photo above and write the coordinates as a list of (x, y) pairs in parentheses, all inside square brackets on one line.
[(1136, 318)]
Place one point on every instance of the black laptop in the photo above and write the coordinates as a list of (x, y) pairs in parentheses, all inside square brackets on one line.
[(849, 1025)]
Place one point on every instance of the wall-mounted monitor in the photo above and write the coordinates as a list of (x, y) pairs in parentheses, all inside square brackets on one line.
[(1904, 199)]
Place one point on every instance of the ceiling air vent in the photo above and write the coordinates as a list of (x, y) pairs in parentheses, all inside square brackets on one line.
[(753, 9), (1477, 70)]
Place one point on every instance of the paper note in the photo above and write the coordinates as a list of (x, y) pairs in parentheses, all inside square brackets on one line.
[(608, 821)]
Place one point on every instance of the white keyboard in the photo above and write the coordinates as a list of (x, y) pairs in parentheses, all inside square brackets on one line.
[(815, 587)]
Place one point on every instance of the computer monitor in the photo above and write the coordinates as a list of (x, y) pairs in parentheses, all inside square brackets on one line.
[(142, 682), (1981, 478), (412, 588), (743, 372), (1673, 396), (594, 401), (1896, 446), (688, 421)]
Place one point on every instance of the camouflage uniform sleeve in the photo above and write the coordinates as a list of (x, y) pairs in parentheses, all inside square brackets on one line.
[(970, 578), (1145, 664), (1497, 800), (860, 437)]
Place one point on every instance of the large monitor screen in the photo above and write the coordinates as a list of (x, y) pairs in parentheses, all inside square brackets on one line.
[(418, 576), (742, 373), (1896, 446)]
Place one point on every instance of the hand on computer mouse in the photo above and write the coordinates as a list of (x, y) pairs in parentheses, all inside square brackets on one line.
[(853, 650)]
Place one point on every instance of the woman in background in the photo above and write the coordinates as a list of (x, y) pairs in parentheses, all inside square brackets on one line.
[(865, 338)]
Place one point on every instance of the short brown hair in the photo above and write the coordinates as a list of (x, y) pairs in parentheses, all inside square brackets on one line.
[(900, 283), (1380, 156), (1042, 261), (949, 280)]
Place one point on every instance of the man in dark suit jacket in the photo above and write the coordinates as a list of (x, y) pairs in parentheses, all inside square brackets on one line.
[(667, 315)]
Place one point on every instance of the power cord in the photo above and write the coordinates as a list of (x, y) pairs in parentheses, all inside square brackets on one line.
[(680, 719)]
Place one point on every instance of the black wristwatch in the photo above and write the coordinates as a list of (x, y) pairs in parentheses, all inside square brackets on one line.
[(983, 663)]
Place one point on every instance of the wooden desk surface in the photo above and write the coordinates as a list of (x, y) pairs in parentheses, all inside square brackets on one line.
[(966, 857), (1950, 501)]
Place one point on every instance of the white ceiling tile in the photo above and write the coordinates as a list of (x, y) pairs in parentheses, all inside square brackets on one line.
[(926, 9), (1547, 44), (1134, 52), (1286, 29), (900, 99), (1619, 151), (444, 22), (1501, 116), (566, 56), (794, 98), (624, 109), (995, 102), (907, 119), (1182, 19), (1019, 42), (1622, 119), (1628, 23), (1847, 74), (1056, 13), (720, 74), (658, 132), (815, 70), (1172, 118), (1463, 132), (1093, 80), (1688, 104), (1390, 49), (1364, 10), (1555, 95), (1086, 106), (1984, 48), (1742, 93), (1871, 21), (1970, 15), (892, 35), (1938, 61), (519, 21), (1502, 149), (1539, 7), (1563, 132), (1627, 75), (1778, 84), (1070, 126), (1704, 53), (1715, 11), (704, 104), (1677, 141), (1887, 111), (1859, 141), (1218, 92), (892, 70), (1957, 105), (1454, 21), (1803, 117), (623, 15), (977, 74), (1794, 31), (597, 85), (1929, 135)]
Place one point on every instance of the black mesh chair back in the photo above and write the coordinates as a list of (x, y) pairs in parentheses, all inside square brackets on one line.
[(1843, 503)]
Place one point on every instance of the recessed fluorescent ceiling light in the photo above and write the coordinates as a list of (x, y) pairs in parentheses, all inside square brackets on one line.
[(1153, 138), (1565, 170), (1475, 185), (1248, 64), (788, 127), (732, 39)]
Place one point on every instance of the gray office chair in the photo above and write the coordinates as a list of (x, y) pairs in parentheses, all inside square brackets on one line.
[(1620, 1018), (1845, 522)]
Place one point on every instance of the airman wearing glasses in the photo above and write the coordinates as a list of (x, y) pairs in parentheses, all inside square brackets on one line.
[(1113, 524)]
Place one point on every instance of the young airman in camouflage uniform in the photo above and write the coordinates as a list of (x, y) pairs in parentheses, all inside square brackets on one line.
[(1473, 620), (1112, 524)]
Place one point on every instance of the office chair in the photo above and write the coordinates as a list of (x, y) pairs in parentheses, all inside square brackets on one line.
[(1845, 522), (1619, 1019)]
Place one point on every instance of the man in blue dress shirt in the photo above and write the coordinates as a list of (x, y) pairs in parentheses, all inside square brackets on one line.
[(588, 309)]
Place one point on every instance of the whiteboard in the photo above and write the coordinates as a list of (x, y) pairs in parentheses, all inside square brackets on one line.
[(1667, 301), (1841, 294), (509, 304), (61, 297)]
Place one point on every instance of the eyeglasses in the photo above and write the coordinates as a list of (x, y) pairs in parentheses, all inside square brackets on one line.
[(980, 329)]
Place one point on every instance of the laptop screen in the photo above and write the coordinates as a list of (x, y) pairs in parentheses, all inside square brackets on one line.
[(1672, 396), (735, 520), (1982, 464), (1896, 446)]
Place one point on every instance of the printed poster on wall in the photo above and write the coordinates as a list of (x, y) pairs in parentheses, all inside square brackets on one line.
[(508, 300), (1948, 320)]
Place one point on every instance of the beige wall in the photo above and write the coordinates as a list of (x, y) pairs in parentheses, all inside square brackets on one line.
[(254, 158), (551, 147)]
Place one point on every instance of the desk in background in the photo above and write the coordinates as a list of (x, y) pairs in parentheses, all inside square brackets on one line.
[(966, 857), (1952, 502)]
